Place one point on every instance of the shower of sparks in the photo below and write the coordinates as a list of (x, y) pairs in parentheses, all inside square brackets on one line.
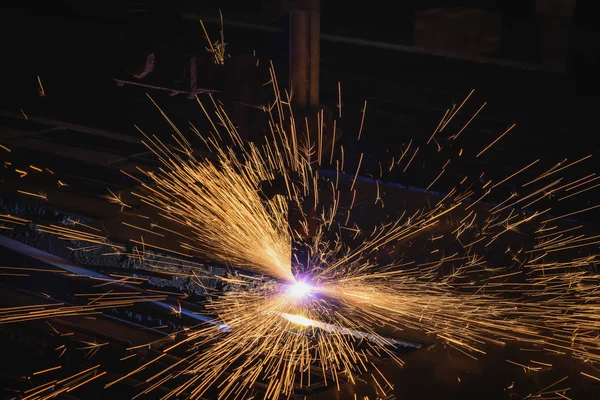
[(290, 324)]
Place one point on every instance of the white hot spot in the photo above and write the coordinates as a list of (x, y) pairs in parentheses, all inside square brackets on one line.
[(300, 289)]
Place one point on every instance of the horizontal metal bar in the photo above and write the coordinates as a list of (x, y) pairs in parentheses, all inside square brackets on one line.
[(72, 127), (61, 263), (172, 92)]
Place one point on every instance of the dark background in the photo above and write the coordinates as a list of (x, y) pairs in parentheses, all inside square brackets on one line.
[(534, 62)]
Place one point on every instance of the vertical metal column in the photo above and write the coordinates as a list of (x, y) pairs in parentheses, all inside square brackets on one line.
[(305, 32)]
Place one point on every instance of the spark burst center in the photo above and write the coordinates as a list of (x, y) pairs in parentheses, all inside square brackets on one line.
[(300, 289)]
